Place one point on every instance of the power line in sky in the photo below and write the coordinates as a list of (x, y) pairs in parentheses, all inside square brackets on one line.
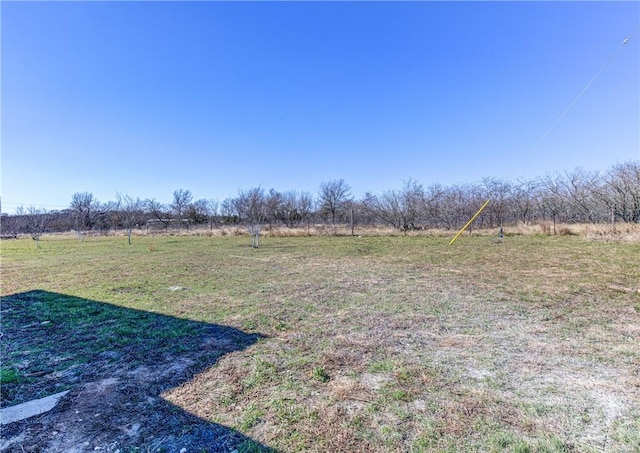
[(586, 87)]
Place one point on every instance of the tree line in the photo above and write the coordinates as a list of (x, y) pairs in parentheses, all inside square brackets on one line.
[(576, 196)]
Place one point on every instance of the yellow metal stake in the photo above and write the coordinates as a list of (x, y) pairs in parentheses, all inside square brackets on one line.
[(469, 222)]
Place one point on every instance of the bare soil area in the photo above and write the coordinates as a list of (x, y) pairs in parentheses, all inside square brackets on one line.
[(114, 403)]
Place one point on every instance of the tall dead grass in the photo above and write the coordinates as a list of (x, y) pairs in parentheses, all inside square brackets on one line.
[(620, 232)]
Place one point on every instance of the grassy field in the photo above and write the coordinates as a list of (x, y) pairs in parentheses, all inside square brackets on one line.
[(365, 343)]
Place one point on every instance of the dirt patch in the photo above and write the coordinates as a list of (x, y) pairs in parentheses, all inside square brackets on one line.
[(115, 414), (114, 400)]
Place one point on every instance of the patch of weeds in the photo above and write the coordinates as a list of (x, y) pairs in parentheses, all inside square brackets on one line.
[(227, 400), (301, 361), (373, 408), (280, 325), (403, 375), (312, 415), (389, 395), (538, 409), (626, 432), (403, 413), (553, 445), (258, 322), (290, 383), (400, 395), (319, 374), (495, 382), (9, 376), (506, 441), (381, 366), (294, 441), (428, 437), (357, 422), (288, 411), (390, 436), (251, 416), (263, 372), (249, 325)]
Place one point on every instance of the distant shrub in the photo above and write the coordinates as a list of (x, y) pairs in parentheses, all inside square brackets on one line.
[(567, 232)]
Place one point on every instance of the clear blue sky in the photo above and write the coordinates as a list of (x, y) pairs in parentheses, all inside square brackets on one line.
[(144, 98)]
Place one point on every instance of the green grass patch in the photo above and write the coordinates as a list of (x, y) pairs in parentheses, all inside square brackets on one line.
[(9, 376)]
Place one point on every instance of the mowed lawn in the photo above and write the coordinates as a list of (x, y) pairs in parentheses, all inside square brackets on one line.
[(383, 343)]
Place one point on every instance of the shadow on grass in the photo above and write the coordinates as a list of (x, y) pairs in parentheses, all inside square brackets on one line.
[(116, 363)]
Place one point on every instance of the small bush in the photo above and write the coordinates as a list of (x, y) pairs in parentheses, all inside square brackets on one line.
[(321, 375), (565, 231)]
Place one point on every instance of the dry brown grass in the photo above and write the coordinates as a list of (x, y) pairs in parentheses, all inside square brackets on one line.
[(620, 232)]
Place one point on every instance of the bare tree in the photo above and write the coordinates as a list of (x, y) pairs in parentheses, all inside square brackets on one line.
[(401, 209), (500, 192), (414, 202), (252, 211), (434, 195), (130, 212), (33, 222), (358, 212), (181, 201), (524, 193), (159, 212), (85, 209), (389, 209), (306, 208), (553, 198), (367, 215), (295, 208), (198, 212), (103, 219), (579, 188), (212, 211), (458, 203), (228, 211), (273, 204), (332, 198), (623, 191)]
